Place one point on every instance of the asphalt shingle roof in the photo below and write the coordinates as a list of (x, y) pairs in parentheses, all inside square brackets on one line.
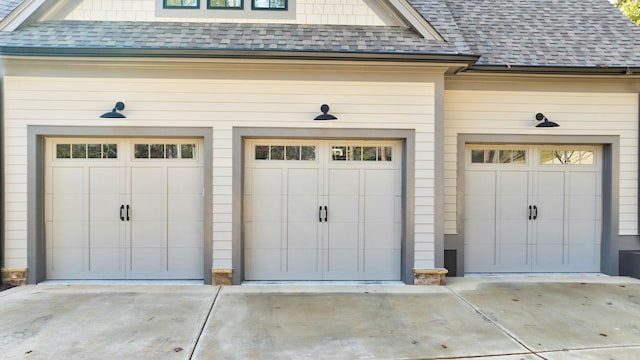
[(530, 33), (224, 36), (7, 6), (584, 33)]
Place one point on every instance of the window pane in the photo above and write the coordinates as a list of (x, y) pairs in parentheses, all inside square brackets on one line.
[(384, 153), (269, 4), (477, 156), (505, 156), (233, 4), (141, 151), (188, 151), (369, 153), (94, 151), (79, 151), (491, 156), (572, 157), (181, 3), (339, 152), (586, 157), (308, 153), (277, 153), (293, 152), (172, 151), (110, 151), (157, 151), (262, 152), (519, 157), (63, 151)]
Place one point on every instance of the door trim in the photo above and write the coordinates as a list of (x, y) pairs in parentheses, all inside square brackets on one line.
[(610, 186), (407, 137), (35, 182)]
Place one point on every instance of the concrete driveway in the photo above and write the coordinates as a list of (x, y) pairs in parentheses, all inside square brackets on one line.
[(479, 318)]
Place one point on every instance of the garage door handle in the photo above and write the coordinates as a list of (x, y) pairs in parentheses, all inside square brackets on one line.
[(127, 212), (326, 214), (529, 212), (121, 214), (320, 214), (535, 212)]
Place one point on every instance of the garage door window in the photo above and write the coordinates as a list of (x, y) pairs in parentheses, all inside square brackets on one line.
[(86, 151), (495, 156), (566, 157), (361, 153), (164, 151), (285, 152)]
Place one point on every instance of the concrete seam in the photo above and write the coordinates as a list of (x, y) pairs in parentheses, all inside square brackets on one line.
[(205, 323), (495, 323)]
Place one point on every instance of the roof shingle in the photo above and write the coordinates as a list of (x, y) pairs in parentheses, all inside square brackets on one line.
[(7, 6)]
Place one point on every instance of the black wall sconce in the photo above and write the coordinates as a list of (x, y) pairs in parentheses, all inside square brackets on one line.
[(545, 122), (325, 114), (114, 114)]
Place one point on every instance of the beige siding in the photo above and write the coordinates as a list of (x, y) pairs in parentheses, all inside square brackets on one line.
[(220, 104), (500, 112), (335, 12)]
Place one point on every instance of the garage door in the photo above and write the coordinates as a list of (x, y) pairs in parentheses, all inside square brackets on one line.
[(533, 208), (322, 210), (124, 209)]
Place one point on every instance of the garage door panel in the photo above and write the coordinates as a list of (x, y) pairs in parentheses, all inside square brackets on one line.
[(187, 261), (105, 234), (379, 208), (483, 184), (185, 207), (146, 180), (585, 257), (107, 262), (344, 182), (302, 182), (344, 208), (380, 182), (340, 260), (68, 263), (303, 235), (380, 236), (68, 180), (185, 234), (266, 181), (267, 208), (513, 232), (583, 232), (343, 235), (185, 180), (303, 261), (513, 207), (146, 207), (105, 180), (582, 207), (479, 231), (68, 207), (147, 234), (382, 264), (67, 234), (303, 208), (146, 261), (514, 256), (584, 183), (264, 236), (480, 207), (263, 263), (551, 183), (549, 257)]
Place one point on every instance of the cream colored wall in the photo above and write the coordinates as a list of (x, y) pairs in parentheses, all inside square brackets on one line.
[(578, 113), (236, 95), (335, 12)]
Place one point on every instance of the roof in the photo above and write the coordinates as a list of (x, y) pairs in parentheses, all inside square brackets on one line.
[(585, 33), (487, 34), (7, 6)]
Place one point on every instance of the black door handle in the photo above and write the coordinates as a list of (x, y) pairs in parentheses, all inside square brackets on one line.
[(326, 214), (529, 212), (127, 212), (535, 212), (320, 214), (121, 214)]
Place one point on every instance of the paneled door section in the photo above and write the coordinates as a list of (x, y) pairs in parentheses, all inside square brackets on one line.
[(533, 208), (322, 210), (124, 209)]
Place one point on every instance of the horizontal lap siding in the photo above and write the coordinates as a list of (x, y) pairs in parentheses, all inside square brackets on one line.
[(220, 104), (498, 112), (336, 12)]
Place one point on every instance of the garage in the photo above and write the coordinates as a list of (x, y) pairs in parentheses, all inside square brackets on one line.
[(124, 208), (533, 208), (322, 210)]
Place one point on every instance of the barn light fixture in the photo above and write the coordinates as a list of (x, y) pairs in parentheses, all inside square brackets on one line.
[(325, 113), (545, 122), (114, 113)]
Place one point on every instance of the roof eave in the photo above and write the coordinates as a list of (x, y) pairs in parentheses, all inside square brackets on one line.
[(464, 59), (555, 70)]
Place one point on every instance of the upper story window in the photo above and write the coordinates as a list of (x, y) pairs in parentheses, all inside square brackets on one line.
[(269, 4), (225, 4), (181, 4)]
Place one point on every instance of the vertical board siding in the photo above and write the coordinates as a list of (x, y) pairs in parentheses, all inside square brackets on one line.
[(334, 12), (501, 112), (220, 104)]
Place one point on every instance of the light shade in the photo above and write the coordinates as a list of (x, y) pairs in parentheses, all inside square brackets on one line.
[(325, 114), (114, 114), (545, 122)]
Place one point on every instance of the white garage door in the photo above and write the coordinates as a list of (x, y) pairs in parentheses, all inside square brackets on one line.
[(124, 209), (322, 210), (533, 209)]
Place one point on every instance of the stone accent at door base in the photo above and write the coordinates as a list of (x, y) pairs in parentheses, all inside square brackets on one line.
[(222, 276), (430, 276), (14, 277)]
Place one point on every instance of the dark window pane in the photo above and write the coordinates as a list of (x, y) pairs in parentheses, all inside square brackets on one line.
[(293, 152), (308, 152), (505, 156), (172, 151), (229, 4), (79, 151), (277, 153), (141, 151), (370, 153), (339, 152), (356, 153), (94, 151), (157, 151), (262, 152), (270, 4), (519, 156), (477, 156), (490, 156), (384, 153), (181, 3), (110, 151), (187, 151), (63, 151)]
